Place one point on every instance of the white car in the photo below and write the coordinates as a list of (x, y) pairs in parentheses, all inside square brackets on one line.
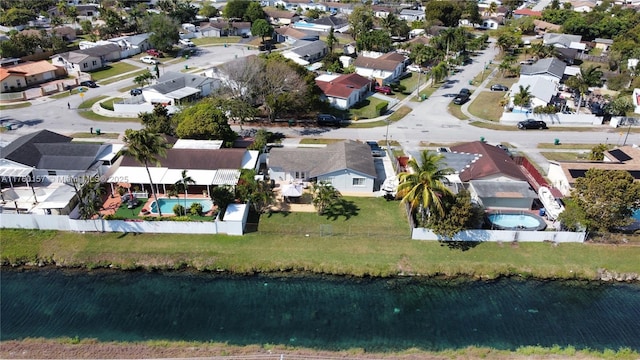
[(149, 60), (186, 42)]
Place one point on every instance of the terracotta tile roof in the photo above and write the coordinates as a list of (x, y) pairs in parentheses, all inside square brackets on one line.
[(492, 161), (393, 56), (343, 86), (27, 69), (527, 12)]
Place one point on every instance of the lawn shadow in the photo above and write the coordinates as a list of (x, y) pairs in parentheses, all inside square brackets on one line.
[(460, 245), (340, 208)]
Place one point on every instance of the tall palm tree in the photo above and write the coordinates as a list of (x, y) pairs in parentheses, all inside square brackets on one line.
[(493, 7), (145, 147), (423, 187), (523, 97), (590, 76), (183, 185)]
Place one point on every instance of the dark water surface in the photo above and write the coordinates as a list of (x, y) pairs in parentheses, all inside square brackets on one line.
[(334, 313)]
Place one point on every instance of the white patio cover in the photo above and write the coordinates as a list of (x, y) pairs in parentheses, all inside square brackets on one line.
[(250, 159), (226, 177), (136, 175), (13, 169)]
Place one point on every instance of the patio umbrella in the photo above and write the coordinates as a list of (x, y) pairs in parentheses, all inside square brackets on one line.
[(292, 190), (11, 195)]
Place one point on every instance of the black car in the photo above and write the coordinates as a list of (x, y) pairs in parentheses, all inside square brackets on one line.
[(89, 83), (135, 92), (460, 99), (328, 120), (499, 87), (376, 150), (532, 124), (465, 91)]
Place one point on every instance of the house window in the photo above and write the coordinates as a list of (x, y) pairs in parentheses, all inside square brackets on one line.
[(300, 175), (84, 65), (51, 173), (358, 181), (95, 63)]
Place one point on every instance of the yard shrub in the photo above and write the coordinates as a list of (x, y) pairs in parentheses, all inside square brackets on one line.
[(195, 209), (381, 108), (114, 217), (178, 209)]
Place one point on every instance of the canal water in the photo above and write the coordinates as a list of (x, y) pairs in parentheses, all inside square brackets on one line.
[(322, 313)]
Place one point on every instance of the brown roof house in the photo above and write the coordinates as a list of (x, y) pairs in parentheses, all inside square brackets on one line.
[(343, 91), (29, 73), (563, 174), (383, 69), (495, 180), (347, 165), (281, 17)]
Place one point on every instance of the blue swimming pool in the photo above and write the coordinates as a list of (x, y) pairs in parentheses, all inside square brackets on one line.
[(166, 205), (515, 221), (636, 215)]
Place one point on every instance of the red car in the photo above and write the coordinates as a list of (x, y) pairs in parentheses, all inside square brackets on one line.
[(383, 89), (156, 53)]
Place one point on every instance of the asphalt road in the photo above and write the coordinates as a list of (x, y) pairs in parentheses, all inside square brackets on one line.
[(428, 122)]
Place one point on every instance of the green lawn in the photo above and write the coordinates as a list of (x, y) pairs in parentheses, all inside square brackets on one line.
[(203, 41), (365, 109), (486, 105), (499, 79), (456, 110), (88, 135), (321, 141), (565, 156), (114, 69), (122, 77)]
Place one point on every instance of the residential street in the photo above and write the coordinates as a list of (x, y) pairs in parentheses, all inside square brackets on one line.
[(428, 122)]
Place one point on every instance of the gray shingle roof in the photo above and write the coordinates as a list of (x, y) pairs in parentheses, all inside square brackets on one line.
[(511, 189), (172, 81), (304, 47), (331, 21), (551, 66), (23, 149), (67, 156), (349, 154)]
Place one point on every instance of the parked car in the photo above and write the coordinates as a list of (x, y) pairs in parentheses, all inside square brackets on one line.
[(155, 53), (328, 120), (532, 124), (376, 150), (460, 99), (186, 42), (414, 68), (89, 83), (465, 91), (383, 89), (499, 87), (135, 92), (149, 60)]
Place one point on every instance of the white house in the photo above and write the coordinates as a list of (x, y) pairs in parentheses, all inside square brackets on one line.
[(384, 69), (549, 68), (174, 88), (347, 165), (343, 91), (411, 15), (540, 88), (306, 52)]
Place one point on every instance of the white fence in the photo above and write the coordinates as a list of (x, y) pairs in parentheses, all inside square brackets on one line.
[(503, 235), (64, 223), (553, 119)]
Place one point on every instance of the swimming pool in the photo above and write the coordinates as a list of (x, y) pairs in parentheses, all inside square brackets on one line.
[(515, 221), (636, 215), (166, 205)]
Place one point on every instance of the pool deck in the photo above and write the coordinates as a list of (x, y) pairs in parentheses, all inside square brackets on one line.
[(112, 204)]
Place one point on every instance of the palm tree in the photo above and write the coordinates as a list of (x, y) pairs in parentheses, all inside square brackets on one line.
[(183, 185), (423, 186), (145, 147), (523, 97), (493, 7), (324, 195), (590, 76)]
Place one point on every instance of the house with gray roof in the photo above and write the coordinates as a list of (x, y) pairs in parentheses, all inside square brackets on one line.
[(88, 59), (306, 52), (173, 88), (290, 35), (133, 44), (347, 165), (564, 41), (411, 15), (551, 69), (541, 89)]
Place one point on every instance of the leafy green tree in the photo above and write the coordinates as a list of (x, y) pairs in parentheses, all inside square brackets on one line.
[(158, 121), (422, 187), (282, 88), (446, 12), (144, 79), (331, 40), (360, 21), (208, 10), (182, 185), (16, 16), (508, 40), (261, 28), (472, 12), (254, 12), (523, 97), (461, 214), (607, 198), (164, 31), (89, 192), (439, 73), (204, 122), (235, 9), (222, 196), (256, 192), (145, 147), (597, 152), (375, 40), (324, 195), (619, 106), (113, 23)]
